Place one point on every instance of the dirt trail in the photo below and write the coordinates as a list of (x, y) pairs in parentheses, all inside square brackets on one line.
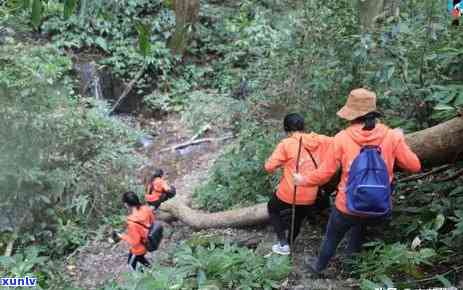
[(100, 260)]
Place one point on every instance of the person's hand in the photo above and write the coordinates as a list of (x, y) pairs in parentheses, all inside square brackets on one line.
[(399, 131), (297, 178)]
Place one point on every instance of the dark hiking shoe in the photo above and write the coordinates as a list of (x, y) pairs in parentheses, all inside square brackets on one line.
[(310, 263)]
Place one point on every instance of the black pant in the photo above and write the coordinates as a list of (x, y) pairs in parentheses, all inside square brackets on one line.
[(133, 260), (279, 211)]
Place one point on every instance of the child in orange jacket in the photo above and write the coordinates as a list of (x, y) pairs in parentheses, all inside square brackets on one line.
[(313, 149), (364, 129), (138, 222), (158, 190)]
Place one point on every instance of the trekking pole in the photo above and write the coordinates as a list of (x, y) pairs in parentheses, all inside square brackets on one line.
[(146, 186), (293, 212)]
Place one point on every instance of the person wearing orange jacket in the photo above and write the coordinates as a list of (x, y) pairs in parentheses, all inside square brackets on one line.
[(364, 129), (138, 222), (158, 190), (313, 149)]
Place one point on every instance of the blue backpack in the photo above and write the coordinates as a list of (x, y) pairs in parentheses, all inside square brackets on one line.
[(368, 187)]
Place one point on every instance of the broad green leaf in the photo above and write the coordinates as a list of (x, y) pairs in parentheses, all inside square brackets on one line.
[(69, 8), (369, 285), (441, 107), (404, 28), (101, 42), (143, 38), (427, 253), (387, 281), (36, 16), (45, 199), (439, 222), (459, 100), (389, 72), (445, 282), (456, 191), (147, 283)]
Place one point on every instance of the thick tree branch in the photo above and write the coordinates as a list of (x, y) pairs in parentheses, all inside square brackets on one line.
[(127, 90)]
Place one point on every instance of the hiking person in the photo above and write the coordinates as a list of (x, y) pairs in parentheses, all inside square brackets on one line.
[(366, 151), (310, 148), (455, 12), (158, 190), (138, 222)]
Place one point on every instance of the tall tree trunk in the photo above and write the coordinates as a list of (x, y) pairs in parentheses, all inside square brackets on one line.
[(435, 145), (186, 15), (371, 11), (392, 8), (368, 11)]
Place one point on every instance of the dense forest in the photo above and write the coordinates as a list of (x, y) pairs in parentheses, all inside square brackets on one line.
[(95, 95)]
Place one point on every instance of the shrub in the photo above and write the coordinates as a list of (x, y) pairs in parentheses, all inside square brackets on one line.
[(219, 111), (383, 262), (238, 177), (62, 162), (212, 267)]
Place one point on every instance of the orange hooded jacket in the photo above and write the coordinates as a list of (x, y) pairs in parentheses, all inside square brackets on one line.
[(285, 156), (136, 233), (155, 189), (346, 147)]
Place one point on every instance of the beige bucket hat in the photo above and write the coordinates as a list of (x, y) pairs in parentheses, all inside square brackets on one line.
[(360, 102)]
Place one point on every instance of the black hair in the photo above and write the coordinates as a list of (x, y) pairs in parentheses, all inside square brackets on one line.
[(157, 173), (369, 120), (293, 122), (131, 198)]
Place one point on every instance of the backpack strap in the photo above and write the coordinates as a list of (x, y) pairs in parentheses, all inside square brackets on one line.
[(313, 159)]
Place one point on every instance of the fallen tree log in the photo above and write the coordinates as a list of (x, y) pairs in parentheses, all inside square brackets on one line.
[(435, 145), (197, 219), (438, 144)]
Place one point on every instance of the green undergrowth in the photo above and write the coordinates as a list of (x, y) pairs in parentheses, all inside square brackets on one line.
[(204, 264), (65, 162), (422, 245), (238, 178)]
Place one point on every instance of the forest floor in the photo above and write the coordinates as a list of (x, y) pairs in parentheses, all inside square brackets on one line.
[(101, 260)]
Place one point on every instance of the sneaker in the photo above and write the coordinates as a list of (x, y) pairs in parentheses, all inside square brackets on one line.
[(311, 264), (282, 250)]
